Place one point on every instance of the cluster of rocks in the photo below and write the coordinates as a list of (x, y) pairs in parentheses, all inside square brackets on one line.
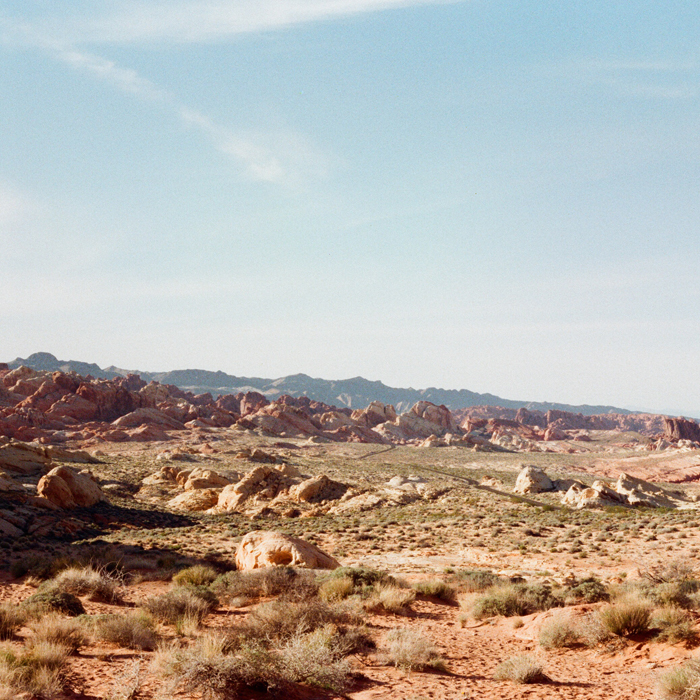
[(54, 407), (627, 491), (37, 486)]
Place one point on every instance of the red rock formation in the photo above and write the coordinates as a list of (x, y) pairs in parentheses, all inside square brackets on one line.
[(681, 429)]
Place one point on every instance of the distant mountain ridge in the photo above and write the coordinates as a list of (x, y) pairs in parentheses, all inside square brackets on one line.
[(357, 392)]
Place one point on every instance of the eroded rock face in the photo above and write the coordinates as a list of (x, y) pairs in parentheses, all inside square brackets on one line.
[(200, 478), (532, 480), (268, 548), (642, 493), (23, 458), (318, 489), (262, 483), (195, 500), (681, 429), (69, 488)]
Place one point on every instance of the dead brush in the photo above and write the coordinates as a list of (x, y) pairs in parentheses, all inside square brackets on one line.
[(134, 630), (12, 618), (265, 583), (61, 631), (390, 598), (280, 620), (523, 668), (35, 669), (94, 583), (181, 602), (410, 650)]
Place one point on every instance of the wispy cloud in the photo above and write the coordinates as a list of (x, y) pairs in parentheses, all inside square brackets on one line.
[(202, 20), (284, 158)]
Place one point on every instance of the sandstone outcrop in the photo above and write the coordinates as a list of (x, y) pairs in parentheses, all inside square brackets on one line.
[(317, 490), (268, 548), (532, 480), (261, 483), (194, 500), (69, 488), (681, 429)]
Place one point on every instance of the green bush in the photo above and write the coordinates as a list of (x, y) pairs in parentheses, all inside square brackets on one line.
[(195, 576), (436, 589), (476, 580), (626, 619), (589, 590), (131, 631), (511, 599), (52, 600), (264, 583), (183, 601)]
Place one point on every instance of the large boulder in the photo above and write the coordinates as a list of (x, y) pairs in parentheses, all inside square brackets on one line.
[(532, 480), (261, 483), (200, 478), (318, 489), (24, 458), (69, 488), (599, 495), (195, 500), (148, 416), (267, 548), (641, 493)]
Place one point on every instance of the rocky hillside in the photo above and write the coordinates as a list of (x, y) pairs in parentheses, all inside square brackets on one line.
[(349, 393)]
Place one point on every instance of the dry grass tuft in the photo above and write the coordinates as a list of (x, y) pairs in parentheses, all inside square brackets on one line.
[(392, 599), (95, 584), (626, 619), (58, 630), (131, 631), (179, 603), (11, 619), (195, 576), (558, 632), (523, 668), (410, 650), (682, 683)]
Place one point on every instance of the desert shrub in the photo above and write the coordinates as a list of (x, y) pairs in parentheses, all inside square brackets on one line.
[(12, 618), (591, 631), (391, 599), (523, 668), (131, 631), (97, 585), (195, 576), (675, 625), (58, 630), (361, 577), (52, 600), (626, 619), (558, 632), (183, 601), (264, 583), (671, 593), (208, 667), (589, 590), (281, 620), (316, 658), (35, 669), (682, 683), (40, 567), (437, 589), (336, 589), (410, 650), (511, 599), (476, 580)]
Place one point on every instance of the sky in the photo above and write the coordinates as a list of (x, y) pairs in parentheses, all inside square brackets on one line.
[(498, 196)]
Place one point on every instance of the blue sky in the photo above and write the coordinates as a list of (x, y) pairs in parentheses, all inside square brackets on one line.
[(497, 196)]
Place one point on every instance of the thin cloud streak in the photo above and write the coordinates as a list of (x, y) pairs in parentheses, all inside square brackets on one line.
[(194, 21), (282, 159)]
